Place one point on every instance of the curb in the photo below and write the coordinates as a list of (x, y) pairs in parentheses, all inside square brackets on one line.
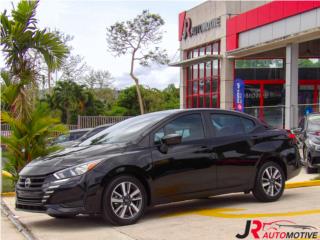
[(311, 183), (16, 222), (8, 194)]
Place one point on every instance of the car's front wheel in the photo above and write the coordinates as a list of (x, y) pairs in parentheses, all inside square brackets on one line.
[(310, 170), (270, 182), (124, 200)]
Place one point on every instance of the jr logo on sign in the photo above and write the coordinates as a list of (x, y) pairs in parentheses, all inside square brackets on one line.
[(254, 229), (280, 229), (187, 28)]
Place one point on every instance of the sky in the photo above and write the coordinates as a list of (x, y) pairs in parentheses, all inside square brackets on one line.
[(87, 21)]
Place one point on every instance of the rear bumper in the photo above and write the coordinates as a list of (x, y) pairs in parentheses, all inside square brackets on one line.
[(293, 171), (294, 164), (314, 160)]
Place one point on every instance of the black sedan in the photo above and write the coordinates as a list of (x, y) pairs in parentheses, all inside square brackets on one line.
[(158, 158), (308, 134)]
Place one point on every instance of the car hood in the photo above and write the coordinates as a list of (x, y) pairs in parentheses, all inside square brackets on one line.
[(70, 157)]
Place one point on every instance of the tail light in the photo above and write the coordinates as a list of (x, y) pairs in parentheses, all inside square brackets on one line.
[(291, 136)]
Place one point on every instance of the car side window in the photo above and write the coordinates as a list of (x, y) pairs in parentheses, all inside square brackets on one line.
[(229, 125), (248, 124), (190, 127)]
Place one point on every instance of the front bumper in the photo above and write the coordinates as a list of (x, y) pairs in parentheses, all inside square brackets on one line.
[(314, 160), (48, 195)]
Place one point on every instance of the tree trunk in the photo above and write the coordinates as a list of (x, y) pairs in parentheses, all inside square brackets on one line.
[(49, 81), (136, 81), (67, 116)]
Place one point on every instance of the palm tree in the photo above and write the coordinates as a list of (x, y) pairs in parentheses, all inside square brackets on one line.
[(23, 44), (64, 98), (30, 138)]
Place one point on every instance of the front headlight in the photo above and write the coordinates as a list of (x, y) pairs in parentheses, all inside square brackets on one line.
[(76, 170), (315, 145)]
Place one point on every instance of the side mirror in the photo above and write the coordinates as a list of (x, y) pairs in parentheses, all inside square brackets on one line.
[(172, 139), (297, 130)]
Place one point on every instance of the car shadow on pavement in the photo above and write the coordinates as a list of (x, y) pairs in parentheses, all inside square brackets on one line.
[(222, 201), (214, 202)]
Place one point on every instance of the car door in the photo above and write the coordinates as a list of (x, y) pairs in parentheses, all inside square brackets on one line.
[(185, 168), (231, 148)]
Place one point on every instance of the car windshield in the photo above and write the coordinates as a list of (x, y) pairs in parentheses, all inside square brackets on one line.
[(130, 129), (314, 123), (62, 138), (91, 133)]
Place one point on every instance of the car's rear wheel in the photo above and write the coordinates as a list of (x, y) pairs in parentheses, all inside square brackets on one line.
[(124, 200), (270, 181)]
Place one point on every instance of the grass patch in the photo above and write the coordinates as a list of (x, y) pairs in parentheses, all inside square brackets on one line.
[(7, 185)]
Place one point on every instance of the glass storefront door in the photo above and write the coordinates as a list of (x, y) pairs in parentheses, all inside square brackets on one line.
[(252, 99), (265, 101), (308, 97), (273, 100)]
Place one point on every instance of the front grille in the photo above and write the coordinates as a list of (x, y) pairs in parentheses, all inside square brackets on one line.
[(35, 183), (316, 160), (29, 193)]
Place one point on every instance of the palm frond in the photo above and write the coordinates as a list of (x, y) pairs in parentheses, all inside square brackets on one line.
[(25, 13), (53, 50)]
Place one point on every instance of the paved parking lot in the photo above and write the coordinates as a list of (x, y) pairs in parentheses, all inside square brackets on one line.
[(220, 217)]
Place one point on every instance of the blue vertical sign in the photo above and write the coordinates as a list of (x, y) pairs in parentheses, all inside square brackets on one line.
[(238, 93)]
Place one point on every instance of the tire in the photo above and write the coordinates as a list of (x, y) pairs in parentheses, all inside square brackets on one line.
[(310, 170), (124, 209), (62, 215), (269, 189)]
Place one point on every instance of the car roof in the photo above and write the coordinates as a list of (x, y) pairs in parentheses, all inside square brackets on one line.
[(218, 110)]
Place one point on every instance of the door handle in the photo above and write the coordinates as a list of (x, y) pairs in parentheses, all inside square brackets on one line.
[(254, 137)]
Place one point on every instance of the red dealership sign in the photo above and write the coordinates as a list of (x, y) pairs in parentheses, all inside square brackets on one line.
[(187, 30)]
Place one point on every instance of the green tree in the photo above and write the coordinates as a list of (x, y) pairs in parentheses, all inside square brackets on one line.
[(138, 38), (72, 100), (127, 101), (29, 138), (171, 97), (106, 95), (22, 44), (154, 100)]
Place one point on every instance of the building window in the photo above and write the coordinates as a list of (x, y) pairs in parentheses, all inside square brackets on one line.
[(309, 86), (203, 79), (264, 88)]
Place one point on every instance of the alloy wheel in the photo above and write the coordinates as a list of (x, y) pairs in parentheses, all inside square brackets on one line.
[(272, 181), (126, 200)]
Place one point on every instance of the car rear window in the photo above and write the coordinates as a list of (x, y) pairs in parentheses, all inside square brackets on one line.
[(229, 125)]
